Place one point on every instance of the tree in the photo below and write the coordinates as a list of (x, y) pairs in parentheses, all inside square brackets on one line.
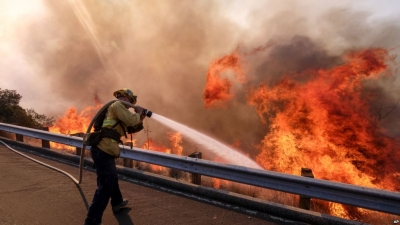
[(9, 97), (11, 112), (40, 118), (383, 112)]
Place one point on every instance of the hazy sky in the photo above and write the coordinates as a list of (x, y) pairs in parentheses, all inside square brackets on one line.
[(20, 73), (58, 54)]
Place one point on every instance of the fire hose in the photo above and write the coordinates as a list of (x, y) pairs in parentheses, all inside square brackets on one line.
[(82, 156), (41, 163), (104, 107)]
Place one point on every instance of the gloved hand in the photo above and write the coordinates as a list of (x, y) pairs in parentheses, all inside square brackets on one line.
[(138, 109), (142, 116)]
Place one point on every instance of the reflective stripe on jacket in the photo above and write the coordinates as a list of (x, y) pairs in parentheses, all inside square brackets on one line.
[(117, 112)]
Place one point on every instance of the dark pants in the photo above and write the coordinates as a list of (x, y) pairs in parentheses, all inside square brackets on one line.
[(107, 185)]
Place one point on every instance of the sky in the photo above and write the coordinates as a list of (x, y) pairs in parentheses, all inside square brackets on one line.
[(59, 54)]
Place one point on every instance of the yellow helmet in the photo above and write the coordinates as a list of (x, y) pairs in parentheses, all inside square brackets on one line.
[(126, 92)]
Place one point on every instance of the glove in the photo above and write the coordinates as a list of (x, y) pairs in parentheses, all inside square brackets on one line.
[(142, 116), (136, 128), (138, 109)]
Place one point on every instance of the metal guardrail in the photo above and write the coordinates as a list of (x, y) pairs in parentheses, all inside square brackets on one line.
[(369, 198)]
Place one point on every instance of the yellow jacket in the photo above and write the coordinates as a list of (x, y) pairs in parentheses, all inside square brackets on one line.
[(117, 112)]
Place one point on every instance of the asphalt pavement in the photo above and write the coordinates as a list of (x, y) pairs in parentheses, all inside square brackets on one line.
[(34, 194)]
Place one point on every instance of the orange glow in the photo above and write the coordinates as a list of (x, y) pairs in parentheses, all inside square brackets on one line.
[(73, 122), (219, 183), (155, 147), (236, 144), (216, 182), (218, 88), (158, 148), (175, 139), (326, 124), (129, 143), (338, 210)]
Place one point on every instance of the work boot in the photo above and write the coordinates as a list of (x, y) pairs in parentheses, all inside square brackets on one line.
[(118, 207), (91, 221)]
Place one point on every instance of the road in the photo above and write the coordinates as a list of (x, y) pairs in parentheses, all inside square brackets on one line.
[(33, 194)]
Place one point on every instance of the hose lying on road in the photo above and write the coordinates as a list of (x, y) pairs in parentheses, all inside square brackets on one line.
[(82, 152), (42, 163), (104, 107)]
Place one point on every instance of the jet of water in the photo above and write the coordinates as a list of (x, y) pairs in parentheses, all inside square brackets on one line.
[(218, 148)]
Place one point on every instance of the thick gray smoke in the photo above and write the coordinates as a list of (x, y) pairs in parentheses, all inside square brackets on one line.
[(162, 50)]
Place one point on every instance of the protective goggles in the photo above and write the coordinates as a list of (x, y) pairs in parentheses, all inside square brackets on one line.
[(132, 98)]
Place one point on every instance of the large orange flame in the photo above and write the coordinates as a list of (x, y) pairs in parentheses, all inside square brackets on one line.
[(73, 122), (218, 88), (325, 122)]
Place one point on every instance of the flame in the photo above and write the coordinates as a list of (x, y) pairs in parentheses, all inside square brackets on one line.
[(151, 145), (176, 141), (176, 148), (73, 122), (338, 210), (325, 123), (216, 183), (218, 88), (219, 183), (159, 148)]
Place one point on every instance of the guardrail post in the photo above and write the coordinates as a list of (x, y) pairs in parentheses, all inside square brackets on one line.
[(78, 150), (45, 143), (304, 202), (196, 178), (128, 162), (19, 137)]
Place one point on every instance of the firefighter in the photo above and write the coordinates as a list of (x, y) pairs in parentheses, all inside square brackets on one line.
[(118, 120)]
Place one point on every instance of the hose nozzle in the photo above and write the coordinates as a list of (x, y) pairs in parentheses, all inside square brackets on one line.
[(146, 112)]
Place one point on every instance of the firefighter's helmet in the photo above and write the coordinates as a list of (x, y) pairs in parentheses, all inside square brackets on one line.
[(126, 92)]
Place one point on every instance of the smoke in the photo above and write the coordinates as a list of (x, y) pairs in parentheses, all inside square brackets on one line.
[(151, 47), (162, 50), (304, 46)]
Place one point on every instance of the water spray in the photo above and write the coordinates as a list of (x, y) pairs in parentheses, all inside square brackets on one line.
[(216, 147)]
